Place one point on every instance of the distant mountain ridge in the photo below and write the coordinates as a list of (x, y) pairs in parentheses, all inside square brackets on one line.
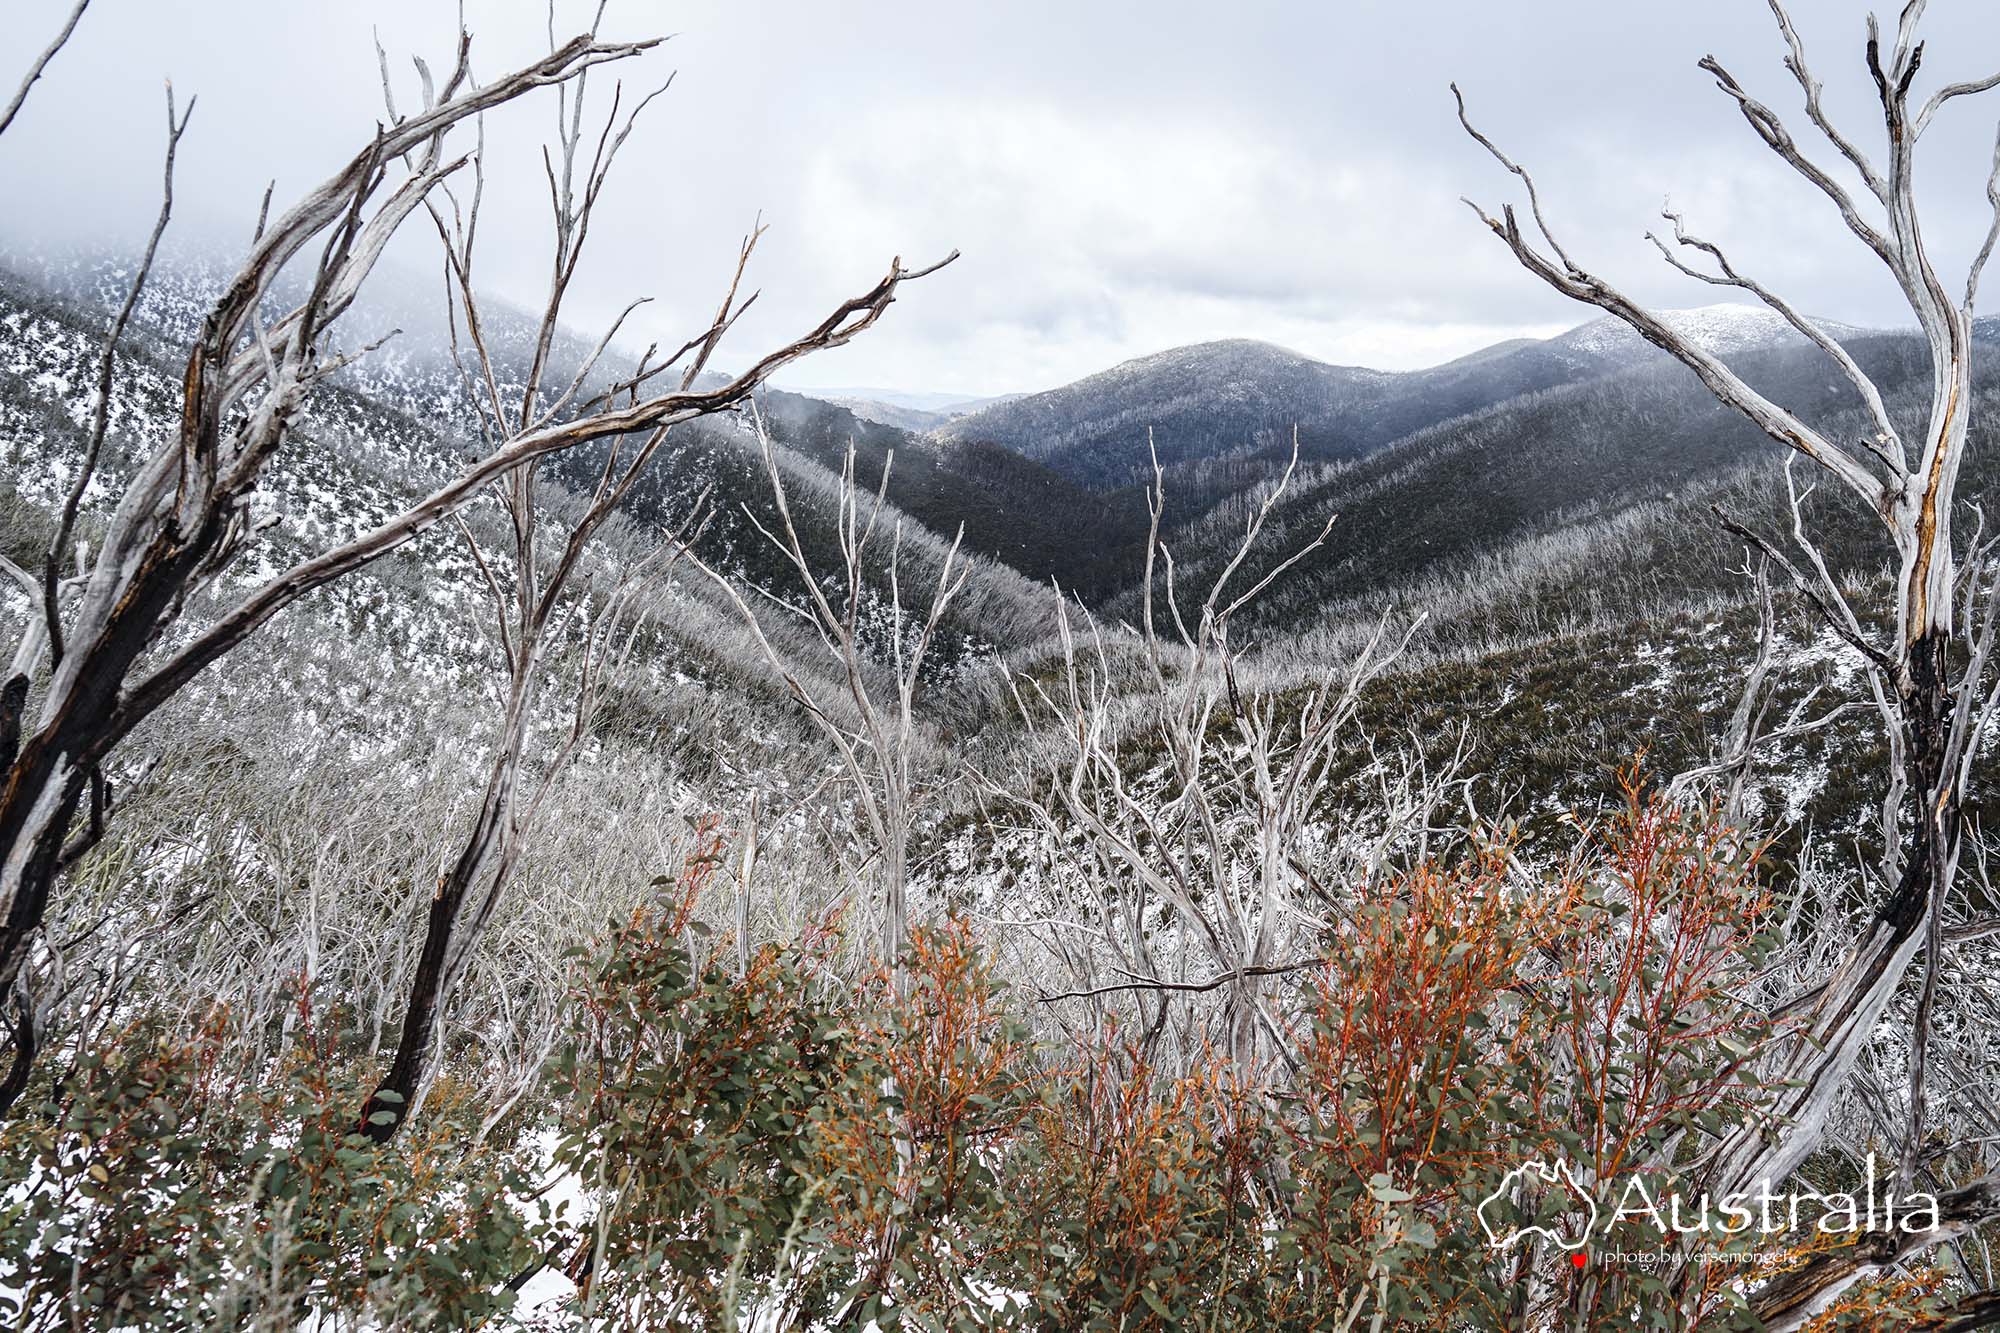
[(1427, 469), (1240, 397), (908, 410)]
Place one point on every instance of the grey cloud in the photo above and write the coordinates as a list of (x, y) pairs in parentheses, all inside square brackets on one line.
[(1121, 176)]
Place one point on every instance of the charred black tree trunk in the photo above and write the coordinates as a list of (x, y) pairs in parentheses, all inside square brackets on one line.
[(25, 1034), (446, 941), (388, 1107), (45, 782), (13, 699), (1932, 842)]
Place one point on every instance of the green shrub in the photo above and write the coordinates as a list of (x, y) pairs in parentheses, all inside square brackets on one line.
[(691, 1098), (156, 1188)]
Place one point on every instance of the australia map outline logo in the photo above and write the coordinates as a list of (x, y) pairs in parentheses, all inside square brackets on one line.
[(1554, 1172)]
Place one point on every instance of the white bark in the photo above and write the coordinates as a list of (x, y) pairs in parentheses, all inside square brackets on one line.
[(875, 732)]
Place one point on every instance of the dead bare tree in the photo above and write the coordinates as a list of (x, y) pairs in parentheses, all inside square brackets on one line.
[(535, 608), (1201, 865), (875, 732), (1751, 729), (533, 621), (122, 646), (35, 71), (1928, 682)]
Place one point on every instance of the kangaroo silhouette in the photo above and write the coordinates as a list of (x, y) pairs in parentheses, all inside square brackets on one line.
[(1552, 1172)]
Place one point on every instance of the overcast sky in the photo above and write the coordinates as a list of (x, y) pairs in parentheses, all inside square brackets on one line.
[(1120, 176)]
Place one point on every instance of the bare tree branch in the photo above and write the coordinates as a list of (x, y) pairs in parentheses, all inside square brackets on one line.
[(1795, 61), (100, 414), (1189, 987), (850, 319), (41, 64), (1725, 383), (1887, 444)]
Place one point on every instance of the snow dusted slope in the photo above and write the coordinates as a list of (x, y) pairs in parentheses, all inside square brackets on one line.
[(1721, 329), (1236, 374), (1200, 401), (376, 656)]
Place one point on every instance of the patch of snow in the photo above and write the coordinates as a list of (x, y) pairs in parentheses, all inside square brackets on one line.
[(1720, 329)]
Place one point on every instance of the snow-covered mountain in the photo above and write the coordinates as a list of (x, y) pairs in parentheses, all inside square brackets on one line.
[(1202, 401), (1721, 329), (1521, 495)]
